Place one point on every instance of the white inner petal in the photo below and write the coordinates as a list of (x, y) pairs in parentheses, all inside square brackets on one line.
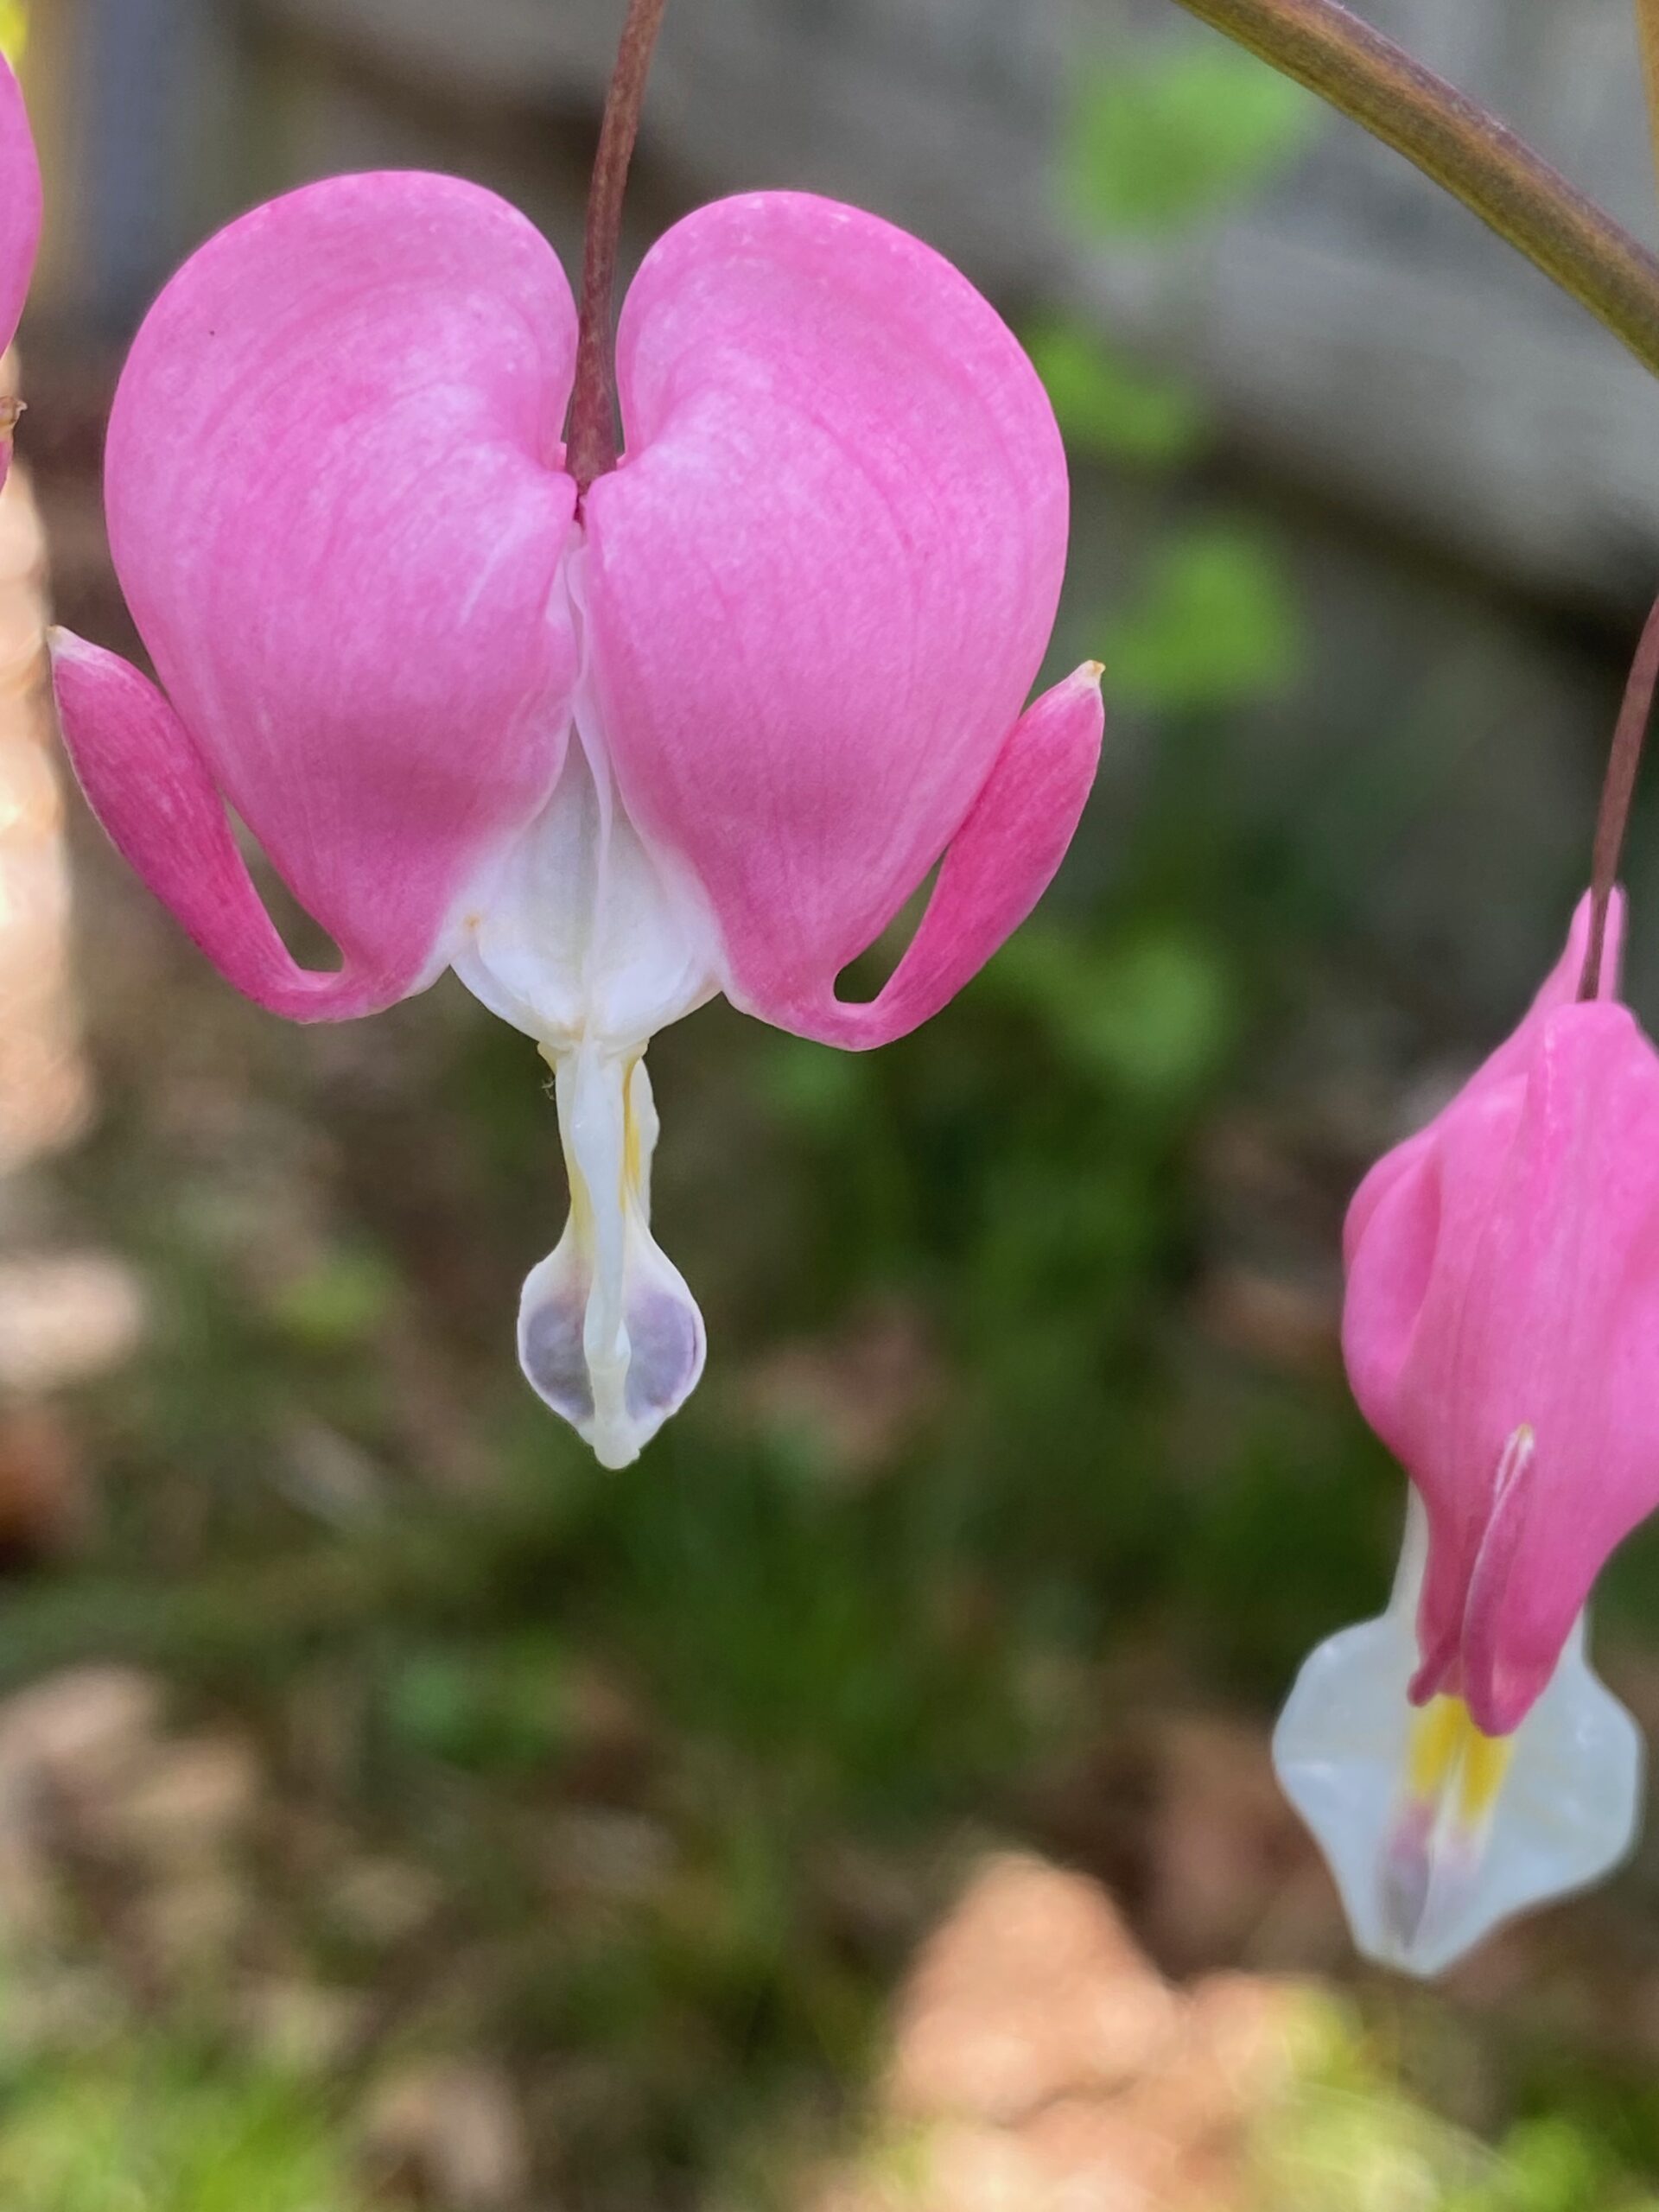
[(590, 942), (577, 934), (1426, 1872)]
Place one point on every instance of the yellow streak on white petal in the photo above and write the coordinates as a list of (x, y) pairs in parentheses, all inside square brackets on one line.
[(634, 1165), (1452, 1769)]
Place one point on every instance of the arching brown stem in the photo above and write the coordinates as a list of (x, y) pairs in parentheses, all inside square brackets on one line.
[(592, 446), (1618, 789), (1457, 143), (1647, 25)]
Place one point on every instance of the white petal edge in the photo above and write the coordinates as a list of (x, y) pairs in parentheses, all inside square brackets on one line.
[(1567, 1812)]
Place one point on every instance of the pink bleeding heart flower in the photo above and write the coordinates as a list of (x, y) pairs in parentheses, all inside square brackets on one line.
[(707, 734), (1458, 1760), (20, 228)]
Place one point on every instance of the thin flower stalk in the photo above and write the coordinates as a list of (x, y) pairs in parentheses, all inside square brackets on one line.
[(1463, 148)]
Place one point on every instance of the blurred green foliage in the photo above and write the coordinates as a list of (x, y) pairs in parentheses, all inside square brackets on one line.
[(338, 1304), (1161, 140), (146, 2128), (1350, 2136), (1151, 1016), (1216, 622), (830, 1644), (495, 1709), (1109, 408)]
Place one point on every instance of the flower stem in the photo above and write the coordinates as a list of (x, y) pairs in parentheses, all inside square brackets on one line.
[(1647, 25), (1618, 789), (592, 449), (1457, 143)]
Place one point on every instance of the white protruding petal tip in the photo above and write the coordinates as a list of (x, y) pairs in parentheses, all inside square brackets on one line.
[(608, 1334)]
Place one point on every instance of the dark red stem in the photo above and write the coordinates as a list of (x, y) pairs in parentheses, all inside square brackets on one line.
[(1618, 789), (592, 448)]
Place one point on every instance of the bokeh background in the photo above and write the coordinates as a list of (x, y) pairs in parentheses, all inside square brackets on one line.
[(862, 1805)]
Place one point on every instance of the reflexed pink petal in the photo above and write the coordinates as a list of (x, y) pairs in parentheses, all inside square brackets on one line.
[(148, 787), (998, 865), (822, 580), (337, 508)]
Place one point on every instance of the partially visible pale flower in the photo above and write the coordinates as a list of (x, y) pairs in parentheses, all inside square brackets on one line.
[(1458, 1760), (706, 730)]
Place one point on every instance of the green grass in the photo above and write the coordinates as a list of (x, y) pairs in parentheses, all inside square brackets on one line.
[(152, 2129)]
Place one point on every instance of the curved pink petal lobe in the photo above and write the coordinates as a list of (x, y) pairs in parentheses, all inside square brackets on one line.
[(998, 866), (822, 581), (338, 512), (167, 820), (1502, 1334)]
